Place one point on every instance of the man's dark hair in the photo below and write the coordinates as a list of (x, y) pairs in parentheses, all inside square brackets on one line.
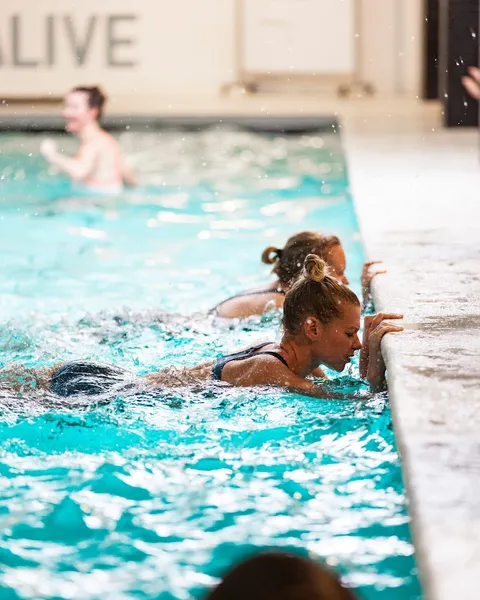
[(96, 98)]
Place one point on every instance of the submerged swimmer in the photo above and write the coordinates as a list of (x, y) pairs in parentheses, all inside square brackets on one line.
[(288, 263), (98, 164), (321, 320)]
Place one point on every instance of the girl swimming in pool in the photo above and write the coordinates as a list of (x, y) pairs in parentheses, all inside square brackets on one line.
[(321, 320), (287, 265)]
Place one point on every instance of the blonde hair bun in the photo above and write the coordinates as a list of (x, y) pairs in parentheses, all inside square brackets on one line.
[(315, 268)]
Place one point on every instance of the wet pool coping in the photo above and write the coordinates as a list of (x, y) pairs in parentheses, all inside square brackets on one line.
[(416, 189)]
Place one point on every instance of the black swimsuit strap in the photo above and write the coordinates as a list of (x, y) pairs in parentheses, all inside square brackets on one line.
[(256, 293), (245, 353), (276, 355), (270, 291), (242, 355)]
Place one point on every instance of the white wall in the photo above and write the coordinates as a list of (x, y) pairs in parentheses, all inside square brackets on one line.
[(299, 36), (391, 37), (178, 46), (412, 64)]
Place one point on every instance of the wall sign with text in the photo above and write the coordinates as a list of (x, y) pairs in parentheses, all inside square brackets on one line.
[(129, 47), (116, 32)]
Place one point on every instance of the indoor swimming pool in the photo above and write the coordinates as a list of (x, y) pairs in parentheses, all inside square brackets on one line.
[(154, 496)]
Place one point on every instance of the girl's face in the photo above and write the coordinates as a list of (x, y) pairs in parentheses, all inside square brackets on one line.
[(335, 344)]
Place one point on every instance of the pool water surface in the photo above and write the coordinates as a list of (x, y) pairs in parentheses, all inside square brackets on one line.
[(154, 496)]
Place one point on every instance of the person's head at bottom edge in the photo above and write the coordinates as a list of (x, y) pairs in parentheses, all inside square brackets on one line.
[(278, 575)]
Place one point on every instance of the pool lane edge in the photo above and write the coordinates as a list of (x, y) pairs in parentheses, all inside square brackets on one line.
[(41, 122), (415, 191)]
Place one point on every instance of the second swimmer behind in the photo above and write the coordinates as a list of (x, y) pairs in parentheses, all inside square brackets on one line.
[(287, 265), (321, 320)]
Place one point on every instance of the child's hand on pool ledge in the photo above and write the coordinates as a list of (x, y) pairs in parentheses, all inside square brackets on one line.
[(376, 327), (367, 277)]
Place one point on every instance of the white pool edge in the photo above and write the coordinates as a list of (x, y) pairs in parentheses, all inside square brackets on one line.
[(416, 189)]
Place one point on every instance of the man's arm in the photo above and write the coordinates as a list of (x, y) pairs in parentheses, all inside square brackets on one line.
[(78, 167), (128, 175)]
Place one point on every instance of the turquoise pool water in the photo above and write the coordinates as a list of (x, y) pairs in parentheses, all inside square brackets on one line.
[(153, 497)]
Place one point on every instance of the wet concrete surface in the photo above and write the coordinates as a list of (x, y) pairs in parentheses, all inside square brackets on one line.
[(417, 195)]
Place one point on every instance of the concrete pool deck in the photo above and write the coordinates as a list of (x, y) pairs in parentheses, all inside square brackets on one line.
[(417, 193)]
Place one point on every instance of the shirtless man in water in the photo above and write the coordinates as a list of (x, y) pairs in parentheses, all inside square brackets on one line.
[(98, 164)]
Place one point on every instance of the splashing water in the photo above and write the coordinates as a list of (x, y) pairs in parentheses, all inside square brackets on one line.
[(153, 496)]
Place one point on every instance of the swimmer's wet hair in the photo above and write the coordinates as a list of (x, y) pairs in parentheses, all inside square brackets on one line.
[(317, 294), (288, 261), (280, 576), (96, 98)]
